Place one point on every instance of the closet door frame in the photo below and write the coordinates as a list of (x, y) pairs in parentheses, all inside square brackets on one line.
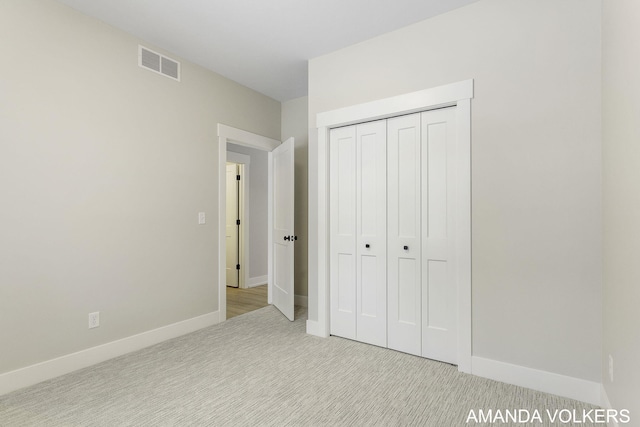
[(455, 94)]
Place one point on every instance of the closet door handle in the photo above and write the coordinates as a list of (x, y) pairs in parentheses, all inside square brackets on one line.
[(406, 248), (287, 238), (367, 246)]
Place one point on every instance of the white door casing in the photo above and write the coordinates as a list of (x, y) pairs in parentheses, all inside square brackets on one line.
[(281, 236), (404, 229), (228, 134), (232, 237), (457, 94)]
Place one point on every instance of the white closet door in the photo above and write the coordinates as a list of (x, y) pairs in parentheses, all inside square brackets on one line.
[(439, 290), (404, 247), (371, 241), (342, 249)]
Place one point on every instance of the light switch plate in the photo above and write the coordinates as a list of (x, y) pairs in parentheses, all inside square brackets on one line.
[(201, 218)]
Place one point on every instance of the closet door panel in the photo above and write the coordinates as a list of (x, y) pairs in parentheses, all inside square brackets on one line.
[(439, 289), (342, 249), (404, 232), (371, 223)]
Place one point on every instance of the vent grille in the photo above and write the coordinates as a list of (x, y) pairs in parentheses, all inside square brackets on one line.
[(158, 63), (150, 60), (170, 68)]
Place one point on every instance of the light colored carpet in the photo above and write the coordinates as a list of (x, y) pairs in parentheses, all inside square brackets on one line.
[(259, 369)]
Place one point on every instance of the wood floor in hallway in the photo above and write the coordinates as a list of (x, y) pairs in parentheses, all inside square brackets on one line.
[(240, 301)]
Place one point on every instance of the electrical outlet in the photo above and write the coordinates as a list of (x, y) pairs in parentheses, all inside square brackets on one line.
[(94, 320), (611, 368)]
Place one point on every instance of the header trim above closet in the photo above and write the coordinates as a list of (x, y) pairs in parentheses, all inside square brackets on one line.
[(414, 102)]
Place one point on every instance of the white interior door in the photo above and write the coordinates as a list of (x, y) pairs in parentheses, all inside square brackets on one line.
[(404, 228), (371, 244), (342, 184), (358, 244), (439, 288), (281, 223), (231, 234)]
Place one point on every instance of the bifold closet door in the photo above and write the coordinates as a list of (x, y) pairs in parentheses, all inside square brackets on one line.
[(342, 246), (404, 233), (358, 232), (392, 233), (439, 289), (371, 240)]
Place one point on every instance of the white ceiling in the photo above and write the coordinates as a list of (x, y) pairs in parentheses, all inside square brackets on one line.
[(262, 44)]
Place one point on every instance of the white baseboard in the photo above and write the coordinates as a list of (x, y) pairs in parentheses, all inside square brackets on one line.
[(548, 382), (313, 328), (301, 300), (257, 281), (46, 370)]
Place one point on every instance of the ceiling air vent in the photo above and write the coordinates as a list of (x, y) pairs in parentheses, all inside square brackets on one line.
[(158, 63)]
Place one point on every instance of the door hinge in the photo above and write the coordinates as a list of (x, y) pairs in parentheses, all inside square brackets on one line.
[(237, 222), (237, 266), (238, 177)]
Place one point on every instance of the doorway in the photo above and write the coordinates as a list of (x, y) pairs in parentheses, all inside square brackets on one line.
[(246, 229), (235, 222), (280, 234)]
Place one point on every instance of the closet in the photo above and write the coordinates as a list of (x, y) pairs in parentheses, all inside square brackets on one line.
[(392, 256)]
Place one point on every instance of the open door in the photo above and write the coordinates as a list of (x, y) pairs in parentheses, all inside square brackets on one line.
[(232, 235), (281, 233)]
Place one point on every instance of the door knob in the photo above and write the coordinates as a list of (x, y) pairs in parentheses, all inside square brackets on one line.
[(406, 248), (367, 246), (287, 238), (295, 237)]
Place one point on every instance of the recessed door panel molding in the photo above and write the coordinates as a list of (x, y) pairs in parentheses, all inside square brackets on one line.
[(369, 306), (281, 217), (407, 293), (345, 279), (403, 234), (436, 313), (439, 286), (435, 147), (342, 186), (407, 167), (345, 185), (371, 230)]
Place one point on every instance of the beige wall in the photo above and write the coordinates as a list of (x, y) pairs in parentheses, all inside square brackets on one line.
[(536, 163), (295, 124), (104, 167), (621, 181)]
